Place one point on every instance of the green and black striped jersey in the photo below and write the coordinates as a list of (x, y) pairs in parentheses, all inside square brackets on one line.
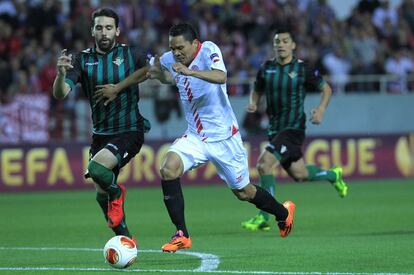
[(91, 68), (285, 88)]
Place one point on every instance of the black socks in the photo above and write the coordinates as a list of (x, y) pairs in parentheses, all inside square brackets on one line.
[(174, 201), (265, 201)]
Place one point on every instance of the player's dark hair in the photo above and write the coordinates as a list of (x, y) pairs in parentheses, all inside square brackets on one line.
[(105, 12), (286, 30), (184, 29)]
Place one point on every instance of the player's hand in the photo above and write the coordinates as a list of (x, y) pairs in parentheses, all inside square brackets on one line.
[(107, 92), (251, 108), (181, 69), (155, 72), (64, 62), (317, 115)]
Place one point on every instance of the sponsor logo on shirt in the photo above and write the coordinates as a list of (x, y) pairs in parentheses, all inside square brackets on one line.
[(91, 63)]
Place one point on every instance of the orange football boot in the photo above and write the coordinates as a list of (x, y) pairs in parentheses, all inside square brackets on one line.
[(116, 209), (178, 241), (287, 225)]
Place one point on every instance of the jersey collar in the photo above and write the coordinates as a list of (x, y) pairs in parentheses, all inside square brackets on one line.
[(291, 61), (197, 51)]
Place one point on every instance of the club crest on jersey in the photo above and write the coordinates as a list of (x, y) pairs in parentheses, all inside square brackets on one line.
[(293, 74), (118, 61), (194, 68), (215, 57)]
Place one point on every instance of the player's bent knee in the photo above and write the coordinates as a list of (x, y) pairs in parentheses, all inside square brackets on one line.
[(93, 170), (168, 173), (99, 173)]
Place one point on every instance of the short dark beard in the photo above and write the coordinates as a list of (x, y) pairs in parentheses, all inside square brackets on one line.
[(104, 48)]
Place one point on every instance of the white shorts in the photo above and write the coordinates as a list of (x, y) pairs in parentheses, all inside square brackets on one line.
[(228, 156)]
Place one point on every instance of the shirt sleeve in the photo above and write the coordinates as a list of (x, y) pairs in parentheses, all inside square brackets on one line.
[(313, 79), (140, 57), (166, 61), (214, 57), (73, 75)]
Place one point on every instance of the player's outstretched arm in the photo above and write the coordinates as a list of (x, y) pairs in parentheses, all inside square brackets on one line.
[(213, 76), (109, 92), (60, 87), (156, 72), (318, 112)]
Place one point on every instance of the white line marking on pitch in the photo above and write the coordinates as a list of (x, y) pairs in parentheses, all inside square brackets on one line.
[(209, 263), (190, 271)]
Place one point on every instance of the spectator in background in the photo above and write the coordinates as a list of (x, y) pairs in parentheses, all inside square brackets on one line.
[(399, 65), (368, 6), (407, 13), (384, 12), (338, 67)]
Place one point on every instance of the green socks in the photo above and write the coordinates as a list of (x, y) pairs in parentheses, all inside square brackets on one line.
[(122, 228), (105, 178), (316, 173)]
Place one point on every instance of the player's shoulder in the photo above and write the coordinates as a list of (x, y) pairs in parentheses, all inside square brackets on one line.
[(306, 64), (303, 63), (208, 45), (268, 62)]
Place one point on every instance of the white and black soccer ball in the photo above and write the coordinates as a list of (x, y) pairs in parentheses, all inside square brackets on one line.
[(120, 252)]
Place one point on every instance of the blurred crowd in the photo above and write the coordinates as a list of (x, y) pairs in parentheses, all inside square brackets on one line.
[(375, 39)]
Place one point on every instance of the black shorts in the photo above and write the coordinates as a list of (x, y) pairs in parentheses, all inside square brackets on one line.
[(124, 146), (286, 146)]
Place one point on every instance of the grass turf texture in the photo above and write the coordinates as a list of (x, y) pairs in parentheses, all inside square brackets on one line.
[(372, 230)]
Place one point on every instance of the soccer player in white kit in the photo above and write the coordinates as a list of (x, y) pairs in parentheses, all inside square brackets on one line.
[(198, 70)]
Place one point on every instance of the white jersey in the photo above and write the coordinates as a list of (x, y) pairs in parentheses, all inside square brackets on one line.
[(206, 105)]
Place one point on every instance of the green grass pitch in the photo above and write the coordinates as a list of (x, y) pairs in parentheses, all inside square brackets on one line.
[(370, 231)]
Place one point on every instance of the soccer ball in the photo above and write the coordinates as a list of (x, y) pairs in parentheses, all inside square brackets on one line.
[(120, 252)]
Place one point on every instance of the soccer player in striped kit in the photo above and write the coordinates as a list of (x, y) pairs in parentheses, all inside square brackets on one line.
[(284, 81), (118, 127)]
